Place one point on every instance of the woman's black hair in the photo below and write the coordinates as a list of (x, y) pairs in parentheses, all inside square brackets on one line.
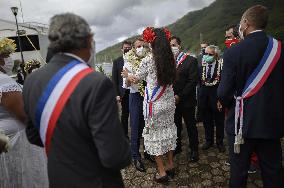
[(164, 58)]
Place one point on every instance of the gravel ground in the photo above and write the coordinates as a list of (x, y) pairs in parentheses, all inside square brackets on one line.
[(209, 171)]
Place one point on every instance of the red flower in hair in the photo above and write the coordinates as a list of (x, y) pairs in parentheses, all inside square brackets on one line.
[(149, 35), (168, 33)]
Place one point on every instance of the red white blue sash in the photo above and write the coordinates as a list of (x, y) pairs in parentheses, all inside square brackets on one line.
[(257, 79), (55, 96), (181, 57), (156, 95)]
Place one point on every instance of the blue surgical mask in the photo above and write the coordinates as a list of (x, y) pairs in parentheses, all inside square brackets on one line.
[(208, 59)]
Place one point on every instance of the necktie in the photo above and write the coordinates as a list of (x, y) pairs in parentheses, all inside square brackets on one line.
[(208, 76)]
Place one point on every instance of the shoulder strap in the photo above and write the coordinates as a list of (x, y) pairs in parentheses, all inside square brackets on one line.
[(180, 59), (255, 82), (55, 96), (264, 68)]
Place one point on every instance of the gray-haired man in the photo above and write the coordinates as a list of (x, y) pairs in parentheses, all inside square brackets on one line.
[(211, 110), (72, 112)]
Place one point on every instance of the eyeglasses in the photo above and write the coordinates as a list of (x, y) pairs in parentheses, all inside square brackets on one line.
[(209, 54)]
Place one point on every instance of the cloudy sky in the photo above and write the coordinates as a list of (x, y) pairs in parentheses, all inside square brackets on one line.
[(111, 20)]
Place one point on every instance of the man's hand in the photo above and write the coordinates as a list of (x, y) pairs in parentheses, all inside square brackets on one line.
[(177, 99), (124, 73), (219, 106), (3, 143), (118, 98), (132, 79)]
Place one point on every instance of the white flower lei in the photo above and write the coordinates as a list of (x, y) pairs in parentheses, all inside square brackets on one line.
[(135, 61), (217, 78)]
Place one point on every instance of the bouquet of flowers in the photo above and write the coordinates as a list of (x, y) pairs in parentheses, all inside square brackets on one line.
[(7, 46), (31, 66)]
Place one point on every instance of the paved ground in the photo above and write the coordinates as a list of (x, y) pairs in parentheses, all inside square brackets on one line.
[(209, 171)]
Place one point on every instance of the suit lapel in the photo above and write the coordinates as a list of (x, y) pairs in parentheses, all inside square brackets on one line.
[(215, 70)]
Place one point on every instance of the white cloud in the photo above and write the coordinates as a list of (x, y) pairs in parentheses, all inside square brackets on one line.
[(111, 20)]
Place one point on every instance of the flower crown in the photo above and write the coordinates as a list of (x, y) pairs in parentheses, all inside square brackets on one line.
[(149, 35), (7, 46)]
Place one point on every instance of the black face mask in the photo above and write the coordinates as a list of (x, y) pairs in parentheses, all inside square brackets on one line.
[(202, 51), (126, 50)]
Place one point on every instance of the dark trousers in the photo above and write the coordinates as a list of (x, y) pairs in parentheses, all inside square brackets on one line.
[(125, 112), (136, 122), (188, 114), (198, 111), (269, 153), (213, 118)]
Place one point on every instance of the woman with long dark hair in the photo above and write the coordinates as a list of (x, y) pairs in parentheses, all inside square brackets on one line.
[(158, 70)]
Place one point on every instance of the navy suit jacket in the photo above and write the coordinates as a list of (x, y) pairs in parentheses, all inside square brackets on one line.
[(264, 111), (186, 81), (88, 147), (116, 76)]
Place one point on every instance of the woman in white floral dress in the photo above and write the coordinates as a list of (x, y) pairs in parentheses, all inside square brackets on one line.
[(24, 165), (158, 69)]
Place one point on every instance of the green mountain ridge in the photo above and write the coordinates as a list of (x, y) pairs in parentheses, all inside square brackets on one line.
[(211, 23)]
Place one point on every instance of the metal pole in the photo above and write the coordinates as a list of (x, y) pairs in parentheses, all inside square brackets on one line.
[(19, 40)]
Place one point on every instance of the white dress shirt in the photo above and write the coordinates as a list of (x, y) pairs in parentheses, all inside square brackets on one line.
[(133, 88), (75, 57), (212, 69)]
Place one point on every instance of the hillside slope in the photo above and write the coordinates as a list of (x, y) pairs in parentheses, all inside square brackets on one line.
[(211, 22)]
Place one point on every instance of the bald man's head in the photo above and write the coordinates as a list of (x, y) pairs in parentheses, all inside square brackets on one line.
[(257, 16), (254, 18)]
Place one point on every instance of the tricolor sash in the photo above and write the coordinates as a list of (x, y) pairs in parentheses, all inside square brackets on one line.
[(156, 95), (181, 57), (55, 96), (256, 80)]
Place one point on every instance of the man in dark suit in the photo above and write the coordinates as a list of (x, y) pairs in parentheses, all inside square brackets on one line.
[(199, 60), (211, 110), (203, 46), (122, 95), (263, 112), (87, 147), (185, 95)]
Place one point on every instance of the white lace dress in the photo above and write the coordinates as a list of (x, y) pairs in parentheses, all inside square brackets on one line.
[(24, 165), (160, 132)]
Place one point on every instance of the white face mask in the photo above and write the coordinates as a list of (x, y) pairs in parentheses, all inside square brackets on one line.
[(241, 33), (139, 51), (91, 58), (9, 64), (175, 50)]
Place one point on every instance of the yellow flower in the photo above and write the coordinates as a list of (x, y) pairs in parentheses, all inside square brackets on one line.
[(7, 46), (133, 59), (31, 64)]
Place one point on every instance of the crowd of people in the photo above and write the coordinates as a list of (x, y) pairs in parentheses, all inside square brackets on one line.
[(71, 111)]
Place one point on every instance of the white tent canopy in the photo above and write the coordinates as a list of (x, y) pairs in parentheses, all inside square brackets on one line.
[(9, 29)]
